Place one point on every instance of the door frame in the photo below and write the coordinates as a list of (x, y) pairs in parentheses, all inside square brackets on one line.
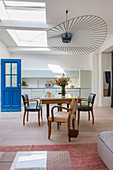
[(3, 61)]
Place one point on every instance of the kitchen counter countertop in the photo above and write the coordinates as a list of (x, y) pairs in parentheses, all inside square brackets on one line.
[(51, 88)]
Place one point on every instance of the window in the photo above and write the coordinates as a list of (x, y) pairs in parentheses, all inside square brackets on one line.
[(24, 11), (29, 38), (30, 12)]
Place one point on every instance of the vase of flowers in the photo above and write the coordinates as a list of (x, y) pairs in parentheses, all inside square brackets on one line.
[(63, 81), (63, 91)]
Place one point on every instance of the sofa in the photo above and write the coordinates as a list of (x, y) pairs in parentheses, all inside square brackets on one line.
[(105, 148)]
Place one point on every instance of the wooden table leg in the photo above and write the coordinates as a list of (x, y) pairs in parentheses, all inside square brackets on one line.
[(60, 109), (60, 106), (47, 106), (67, 106)]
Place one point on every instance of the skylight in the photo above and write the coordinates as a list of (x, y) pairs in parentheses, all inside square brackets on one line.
[(24, 11), (23, 15), (24, 4), (29, 38)]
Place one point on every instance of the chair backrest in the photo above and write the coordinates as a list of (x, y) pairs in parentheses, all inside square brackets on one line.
[(73, 106), (92, 98), (25, 98)]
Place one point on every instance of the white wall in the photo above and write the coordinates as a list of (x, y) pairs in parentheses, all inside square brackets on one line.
[(37, 62), (3, 54), (97, 63), (67, 62)]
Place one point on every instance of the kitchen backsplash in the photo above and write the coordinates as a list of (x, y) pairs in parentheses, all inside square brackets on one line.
[(41, 82)]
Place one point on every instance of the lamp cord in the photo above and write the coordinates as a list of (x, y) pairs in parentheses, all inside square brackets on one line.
[(66, 20)]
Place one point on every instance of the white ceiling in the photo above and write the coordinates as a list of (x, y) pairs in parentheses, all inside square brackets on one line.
[(55, 14)]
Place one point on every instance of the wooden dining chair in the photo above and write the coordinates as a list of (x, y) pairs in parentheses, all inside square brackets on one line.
[(88, 107), (62, 117), (31, 108)]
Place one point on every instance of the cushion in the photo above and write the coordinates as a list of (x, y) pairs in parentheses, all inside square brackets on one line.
[(84, 108), (107, 138), (60, 117), (33, 108)]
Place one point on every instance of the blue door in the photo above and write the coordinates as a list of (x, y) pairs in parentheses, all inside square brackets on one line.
[(10, 85)]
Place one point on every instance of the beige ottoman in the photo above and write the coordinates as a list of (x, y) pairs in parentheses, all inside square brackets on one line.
[(105, 148)]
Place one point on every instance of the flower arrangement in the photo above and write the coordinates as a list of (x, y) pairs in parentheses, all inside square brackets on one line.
[(63, 81), (49, 83)]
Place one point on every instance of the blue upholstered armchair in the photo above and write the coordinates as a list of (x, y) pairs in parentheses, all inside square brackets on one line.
[(31, 108), (87, 108)]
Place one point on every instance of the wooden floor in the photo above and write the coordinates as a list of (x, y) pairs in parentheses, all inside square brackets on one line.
[(12, 132)]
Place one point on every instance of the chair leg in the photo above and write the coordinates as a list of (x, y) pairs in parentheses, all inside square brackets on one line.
[(41, 114), (27, 115), (75, 115), (69, 139), (49, 129), (73, 123), (88, 115), (78, 117), (92, 117), (39, 118), (58, 125), (68, 127), (24, 118)]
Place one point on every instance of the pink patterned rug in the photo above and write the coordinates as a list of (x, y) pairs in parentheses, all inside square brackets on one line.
[(83, 156)]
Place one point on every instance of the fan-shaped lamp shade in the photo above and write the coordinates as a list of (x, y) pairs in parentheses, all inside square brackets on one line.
[(80, 35)]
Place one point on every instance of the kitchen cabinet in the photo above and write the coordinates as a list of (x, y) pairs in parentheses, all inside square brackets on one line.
[(36, 73), (85, 82), (48, 74)]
